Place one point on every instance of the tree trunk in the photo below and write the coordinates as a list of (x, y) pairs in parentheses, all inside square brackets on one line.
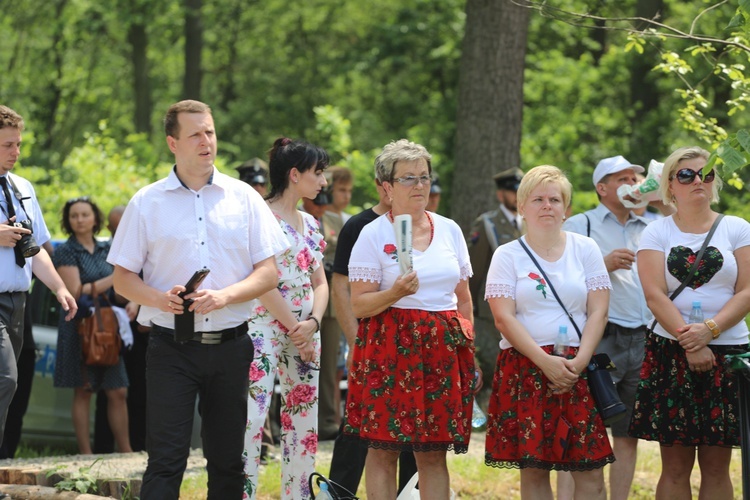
[(138, 40), (490, 104), (645, 141), (191, 88)]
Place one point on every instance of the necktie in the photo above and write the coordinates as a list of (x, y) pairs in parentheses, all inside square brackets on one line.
[(20, 261)]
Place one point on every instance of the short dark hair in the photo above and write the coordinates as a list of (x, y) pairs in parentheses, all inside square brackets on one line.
[(67, 229), (172, 125), (10, 119)]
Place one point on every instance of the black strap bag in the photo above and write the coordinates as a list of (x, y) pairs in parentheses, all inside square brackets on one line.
[(601, 385)]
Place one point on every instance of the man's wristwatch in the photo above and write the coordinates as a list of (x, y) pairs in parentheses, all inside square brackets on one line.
[(715, 330)]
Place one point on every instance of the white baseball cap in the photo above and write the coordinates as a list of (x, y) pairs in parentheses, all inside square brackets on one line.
[(611, 165)]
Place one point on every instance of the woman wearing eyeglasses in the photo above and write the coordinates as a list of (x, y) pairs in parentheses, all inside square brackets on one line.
[(687, 399), (285, 323), (82, 264), (411, 381)]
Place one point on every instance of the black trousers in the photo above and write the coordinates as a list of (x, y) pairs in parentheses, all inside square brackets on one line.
[(348, 463), (176, 374)]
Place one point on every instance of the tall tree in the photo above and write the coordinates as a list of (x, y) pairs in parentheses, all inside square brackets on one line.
[(490, 103), (138, 40), (191, 87)]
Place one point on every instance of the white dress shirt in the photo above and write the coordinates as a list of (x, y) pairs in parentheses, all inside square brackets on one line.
[(169, 231)]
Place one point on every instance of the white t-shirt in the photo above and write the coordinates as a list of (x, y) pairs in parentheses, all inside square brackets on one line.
[(715, 283), (170, 231), (439, 268), (580, 269)]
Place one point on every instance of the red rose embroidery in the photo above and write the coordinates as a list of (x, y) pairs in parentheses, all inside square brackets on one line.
[(375, 380), (390, 250), (407, 426), (431, 383)]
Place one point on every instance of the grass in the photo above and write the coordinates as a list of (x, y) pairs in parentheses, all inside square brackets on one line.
[(470, 478)]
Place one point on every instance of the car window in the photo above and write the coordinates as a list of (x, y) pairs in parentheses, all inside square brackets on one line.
[(45, 309)]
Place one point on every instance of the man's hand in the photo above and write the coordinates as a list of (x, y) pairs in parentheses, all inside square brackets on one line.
[(205, 301), (622, 258), (67, 302), (9, 234)]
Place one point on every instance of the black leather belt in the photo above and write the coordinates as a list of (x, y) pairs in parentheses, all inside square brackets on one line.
[(211, 338)]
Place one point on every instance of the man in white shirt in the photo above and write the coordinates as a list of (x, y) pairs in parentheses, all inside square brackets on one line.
[(18, 203), (196, 218), (617, 231)]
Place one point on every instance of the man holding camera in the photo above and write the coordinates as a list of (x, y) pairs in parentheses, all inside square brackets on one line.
[(22, 232), (197, 218)]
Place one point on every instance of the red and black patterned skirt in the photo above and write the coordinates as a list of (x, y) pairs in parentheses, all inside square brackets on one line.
[(410, 386), (674, 405), (524, 415)]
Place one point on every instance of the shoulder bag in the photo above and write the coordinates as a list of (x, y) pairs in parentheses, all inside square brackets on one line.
[(601, 385), (693, 272), (100, 334)]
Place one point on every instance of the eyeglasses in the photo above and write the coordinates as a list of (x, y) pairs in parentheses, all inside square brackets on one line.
[(687, 176), (412, 180)]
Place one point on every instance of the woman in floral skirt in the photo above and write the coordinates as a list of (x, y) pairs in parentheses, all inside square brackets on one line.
[(285, 323), (540, 399), (410, 386), (687, 400)]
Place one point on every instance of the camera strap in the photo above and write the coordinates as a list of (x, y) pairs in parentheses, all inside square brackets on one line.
[(19, 197)]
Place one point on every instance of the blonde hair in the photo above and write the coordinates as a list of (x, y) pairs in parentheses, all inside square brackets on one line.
[(672, 165), (401, 150), (544, 175)]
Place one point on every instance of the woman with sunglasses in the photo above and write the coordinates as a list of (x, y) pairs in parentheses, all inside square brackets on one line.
[(410, 385), (82, 264), (687, 400), (285, 323)]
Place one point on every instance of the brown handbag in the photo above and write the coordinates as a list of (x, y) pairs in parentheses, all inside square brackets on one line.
[(100, 334)]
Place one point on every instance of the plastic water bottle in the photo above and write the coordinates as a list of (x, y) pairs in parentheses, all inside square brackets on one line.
[(478, 418), (324, 494), (696, 314), (561, 342)]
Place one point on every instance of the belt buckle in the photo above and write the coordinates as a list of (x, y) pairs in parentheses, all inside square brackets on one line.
[(211, 338)]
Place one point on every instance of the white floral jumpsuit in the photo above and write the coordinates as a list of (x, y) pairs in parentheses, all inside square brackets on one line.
[(299, 381)]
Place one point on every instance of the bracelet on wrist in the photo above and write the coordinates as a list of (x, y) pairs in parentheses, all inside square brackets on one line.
[(715, 330), (317, 323)]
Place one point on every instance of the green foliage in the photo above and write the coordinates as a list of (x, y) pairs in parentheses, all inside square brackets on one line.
[(84, 481), (102, 168)]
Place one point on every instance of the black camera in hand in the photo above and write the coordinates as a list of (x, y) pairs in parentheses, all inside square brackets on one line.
[(27, 245)]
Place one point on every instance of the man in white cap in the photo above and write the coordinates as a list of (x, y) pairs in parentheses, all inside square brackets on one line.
[(617, 231)]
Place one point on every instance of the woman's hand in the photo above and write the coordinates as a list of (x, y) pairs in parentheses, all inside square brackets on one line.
[(701, 360), (560, 372), (302, 334), (408, 284), (307, 353), (694, 336)]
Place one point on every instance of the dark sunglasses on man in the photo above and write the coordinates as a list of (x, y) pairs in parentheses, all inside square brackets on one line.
[(687, 176)]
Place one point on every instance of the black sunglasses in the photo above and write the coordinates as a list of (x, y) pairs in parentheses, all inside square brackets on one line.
[(687, 176)]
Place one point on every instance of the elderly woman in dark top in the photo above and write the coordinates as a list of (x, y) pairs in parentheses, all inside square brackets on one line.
[(81, 262)]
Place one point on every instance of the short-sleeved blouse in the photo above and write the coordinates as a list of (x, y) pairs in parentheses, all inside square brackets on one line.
[(297, 264), (440, 267), (717, 276), (580, 269)]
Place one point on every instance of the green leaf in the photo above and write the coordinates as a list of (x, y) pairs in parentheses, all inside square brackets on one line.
[(743, 138), (732, 158)]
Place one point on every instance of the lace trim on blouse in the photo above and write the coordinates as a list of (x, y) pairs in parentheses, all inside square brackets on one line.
[(466, 272), (499, 290), (365, 274), (600, 282)]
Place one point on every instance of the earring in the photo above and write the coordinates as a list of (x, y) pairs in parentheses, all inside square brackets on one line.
[(296, 181), (563, 217)]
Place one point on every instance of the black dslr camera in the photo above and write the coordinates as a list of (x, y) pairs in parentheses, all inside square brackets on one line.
[(26, 246)]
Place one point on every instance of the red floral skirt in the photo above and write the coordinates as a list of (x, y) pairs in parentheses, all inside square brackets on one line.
[(410, 386), (524, 415)]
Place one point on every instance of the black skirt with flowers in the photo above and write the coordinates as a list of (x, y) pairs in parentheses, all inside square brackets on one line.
[(674, 405)]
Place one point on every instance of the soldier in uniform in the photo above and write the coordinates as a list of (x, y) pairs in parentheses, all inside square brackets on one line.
[(255, 173), (489, 231)]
